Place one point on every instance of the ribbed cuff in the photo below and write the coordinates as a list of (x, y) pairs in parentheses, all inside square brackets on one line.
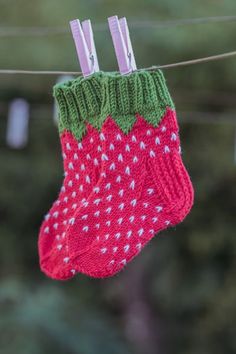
[(79, 101), (95, 98)]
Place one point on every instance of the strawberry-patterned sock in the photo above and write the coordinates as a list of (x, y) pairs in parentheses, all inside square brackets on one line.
[(143, 187), (79, 103)]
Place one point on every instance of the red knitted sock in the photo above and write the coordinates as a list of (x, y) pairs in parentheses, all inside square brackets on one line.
[(143, 185), (82, 159), (144, 188)]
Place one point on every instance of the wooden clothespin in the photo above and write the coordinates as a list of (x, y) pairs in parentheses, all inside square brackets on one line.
[(85, 47), (122, 43)]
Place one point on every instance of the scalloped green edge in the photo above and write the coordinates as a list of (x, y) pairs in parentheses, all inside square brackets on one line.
[(91, 100)]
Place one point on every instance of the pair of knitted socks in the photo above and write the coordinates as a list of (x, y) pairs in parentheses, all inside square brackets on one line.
[(124, 177)]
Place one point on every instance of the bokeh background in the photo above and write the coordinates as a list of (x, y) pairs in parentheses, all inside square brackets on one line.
[(179, 295)]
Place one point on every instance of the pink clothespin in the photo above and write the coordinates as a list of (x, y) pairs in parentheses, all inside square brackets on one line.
[(122, 43), (85, 47)]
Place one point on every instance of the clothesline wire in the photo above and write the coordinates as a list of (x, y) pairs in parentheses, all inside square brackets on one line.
[(6, 31), (151, 68), (194, 61)]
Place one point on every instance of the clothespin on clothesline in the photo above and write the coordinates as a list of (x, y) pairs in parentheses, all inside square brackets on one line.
[(86, 50), (122, 43), (17, 124), (85, 46)]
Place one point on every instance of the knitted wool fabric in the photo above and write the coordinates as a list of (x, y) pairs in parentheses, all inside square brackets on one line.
[(143, 185), (77, 99)]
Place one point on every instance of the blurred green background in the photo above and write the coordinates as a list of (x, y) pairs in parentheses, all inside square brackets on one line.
[(179, 295)]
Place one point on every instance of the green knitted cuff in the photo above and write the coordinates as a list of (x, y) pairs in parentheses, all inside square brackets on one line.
[(94, 98), (79, 101)]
